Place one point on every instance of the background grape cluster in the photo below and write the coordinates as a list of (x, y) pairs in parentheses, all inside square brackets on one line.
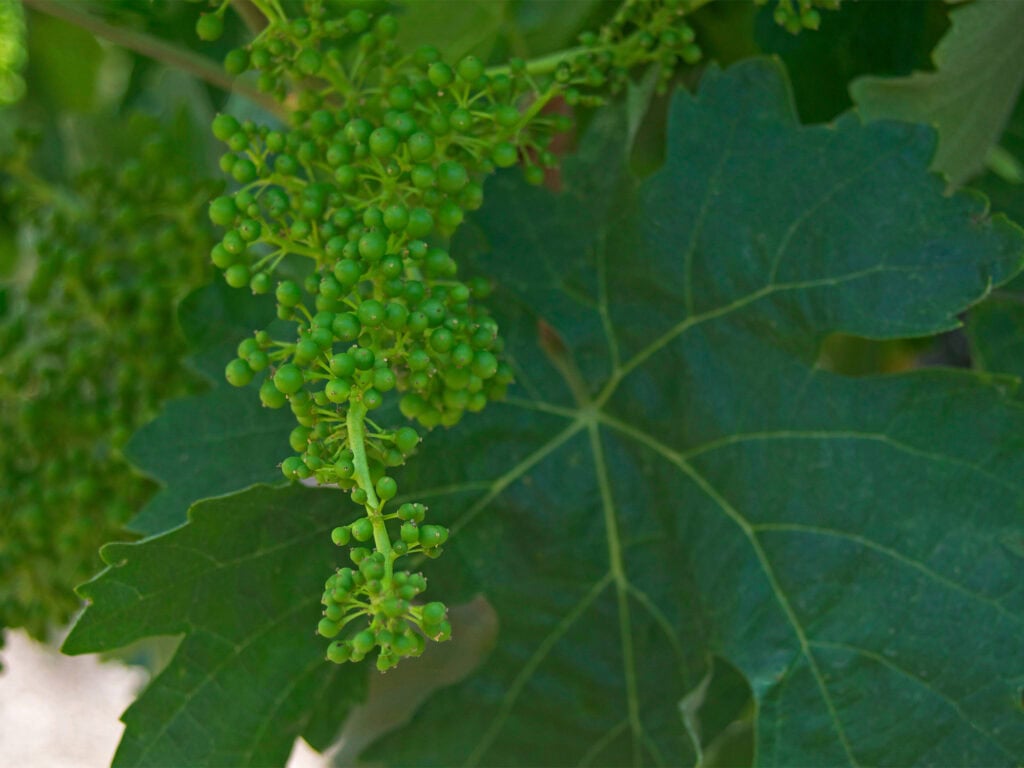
[(88, 352)]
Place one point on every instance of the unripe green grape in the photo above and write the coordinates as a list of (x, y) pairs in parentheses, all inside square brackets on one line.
[(371, 313), (362, 529), (341, 535), (306, 350), (364, 358), (384, 379), (222, 209), (406, 440), (363, 641), (338, 652), (372, 246), (423, 177), (383, 142), (357, 20), (386, 26), (290, 467), (237, 275), (337, 390), (221, 257), (371, 568), (506, 115), (259, 283), (243, 170), (471, 198), (288, 379), (533, 175), (309, 62), (328, 628), (470, 69), (236, 61), (396, 218), (372, 399), (450, 215), (442, 340), (238, 373), (271, 396), (410, 533), (299, 438), (421, 146), (359, 496), (419, 381), (209, 27), (343, 365), (347, 272), (225, 126), (434, 311), (434, 613), (421, 223), (411, 405), (432, 535), (258, 360), (440, 74), (391, 266), (485, 364), (452, 176), (288, 293), (395, 316), (386, 488)]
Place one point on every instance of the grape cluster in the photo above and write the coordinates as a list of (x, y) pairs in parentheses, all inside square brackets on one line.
[(352, 205), (87, 354)]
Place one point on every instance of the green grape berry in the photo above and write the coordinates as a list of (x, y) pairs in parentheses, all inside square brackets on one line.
[(209, 27), (288, 379)]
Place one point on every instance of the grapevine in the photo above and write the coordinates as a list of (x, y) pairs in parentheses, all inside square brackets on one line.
[(385, 152)]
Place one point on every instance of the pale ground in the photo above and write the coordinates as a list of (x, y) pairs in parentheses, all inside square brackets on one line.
[(62, 712)]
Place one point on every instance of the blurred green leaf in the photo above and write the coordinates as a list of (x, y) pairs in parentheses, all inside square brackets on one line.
[(979, 72), (63, 64)]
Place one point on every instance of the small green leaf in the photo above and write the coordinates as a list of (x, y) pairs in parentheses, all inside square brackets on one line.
[(242, 583), (979, 71)]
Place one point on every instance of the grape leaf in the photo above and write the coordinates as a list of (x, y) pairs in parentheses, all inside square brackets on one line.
[(678, 481), (219, 441), (979, 72), (242, 582)]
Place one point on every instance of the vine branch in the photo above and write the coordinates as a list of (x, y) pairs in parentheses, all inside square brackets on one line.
[(156, 49)]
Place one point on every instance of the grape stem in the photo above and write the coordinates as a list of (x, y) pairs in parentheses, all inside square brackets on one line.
[(355, 421), (156, 49)]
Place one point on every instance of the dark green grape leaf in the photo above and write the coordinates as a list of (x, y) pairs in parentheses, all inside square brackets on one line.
[(217, 442), (676, 481), (242, 583), (979, 72)]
